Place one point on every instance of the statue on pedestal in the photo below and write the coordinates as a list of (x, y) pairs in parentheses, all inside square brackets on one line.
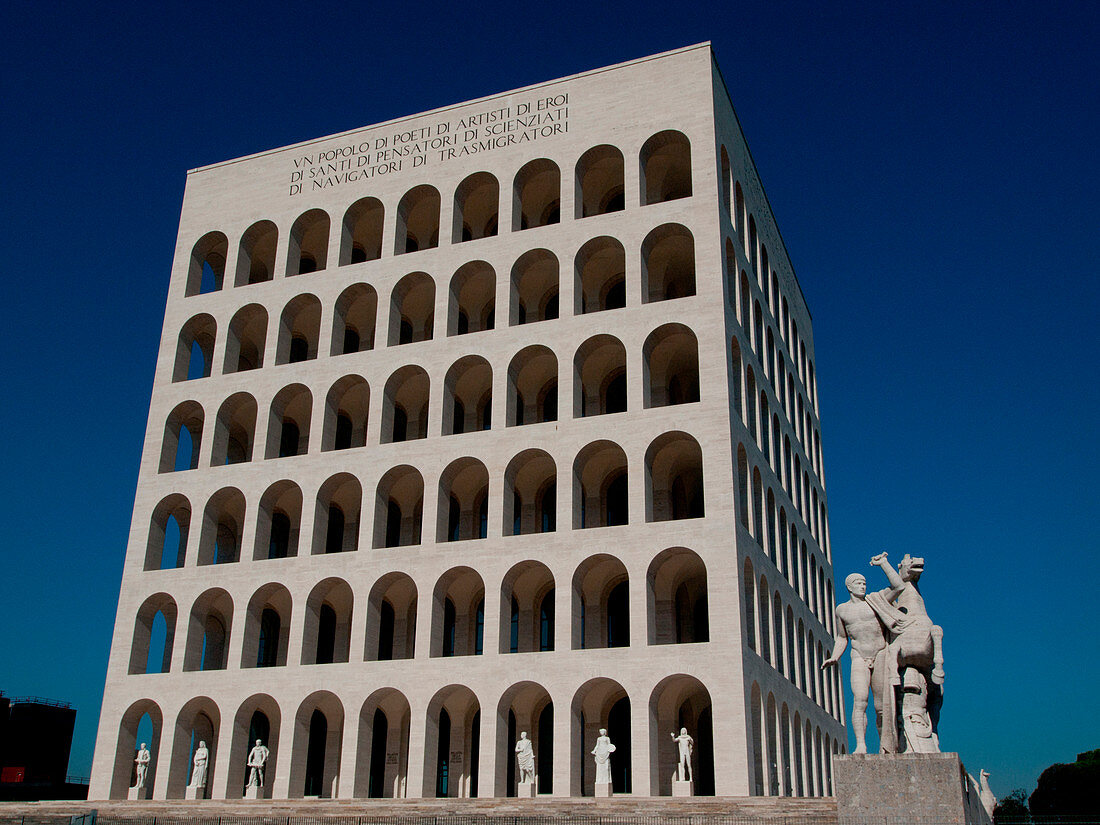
[(898, 657), (142, 761), (602, 754), (686, 746), (257, 761), (525, 758), (198, 769)]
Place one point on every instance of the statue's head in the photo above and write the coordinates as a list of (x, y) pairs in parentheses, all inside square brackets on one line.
[(910, 568), (856, 584), (258, 743), (202, 744), (523, 734), (143, 746), (603, 731), (683, 731)]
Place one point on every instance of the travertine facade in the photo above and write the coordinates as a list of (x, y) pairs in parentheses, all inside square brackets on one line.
[(497, 418)]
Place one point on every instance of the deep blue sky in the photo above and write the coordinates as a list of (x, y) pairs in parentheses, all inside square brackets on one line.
[(934, 170)]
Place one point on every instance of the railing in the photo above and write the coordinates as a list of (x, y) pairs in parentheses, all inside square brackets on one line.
[(38, 700), (78, 780)]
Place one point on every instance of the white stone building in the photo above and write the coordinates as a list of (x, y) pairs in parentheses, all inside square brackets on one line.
[(496, 418)]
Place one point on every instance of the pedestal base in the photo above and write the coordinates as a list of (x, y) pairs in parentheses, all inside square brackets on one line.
[(683, 788), (254, 792), (138, 793), (602, 790), (900, 788), (525, 790), (194, 793)]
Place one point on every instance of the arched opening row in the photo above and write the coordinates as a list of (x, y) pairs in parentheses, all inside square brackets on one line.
[(468, 747), (665, 167), (789, 755), (320, 628)]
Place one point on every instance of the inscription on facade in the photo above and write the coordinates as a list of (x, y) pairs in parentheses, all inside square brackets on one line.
[(389, 150)]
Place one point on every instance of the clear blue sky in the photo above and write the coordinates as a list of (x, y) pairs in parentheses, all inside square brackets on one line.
[(933, 167)]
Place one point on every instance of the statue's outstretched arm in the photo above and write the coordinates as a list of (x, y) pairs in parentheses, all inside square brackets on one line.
[(892, 575)]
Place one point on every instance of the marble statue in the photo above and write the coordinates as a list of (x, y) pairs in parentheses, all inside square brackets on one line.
[(142, 761), (602, 753), (198, 771), (257, 761), (985, 793), (525, 758), (857, 622), (900, 659), (686, 746)]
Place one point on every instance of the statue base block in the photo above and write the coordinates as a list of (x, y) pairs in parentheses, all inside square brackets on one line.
[(525, 790), (683, 788), (602, 790), (138, 793), (195, 793), (901, 788), (253, 792)]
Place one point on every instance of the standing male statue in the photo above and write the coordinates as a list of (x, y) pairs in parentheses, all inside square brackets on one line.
[(525, 758), (257, 761), (602, 754), (686, 746), (857, 621), (198, 766), (142, 761)]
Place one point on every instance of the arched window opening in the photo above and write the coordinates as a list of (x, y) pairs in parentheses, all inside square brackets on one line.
[(308, 243), (677, 702), (346, 408), (472, 299), (182, 438), (418, 220), (391, 619), (256, 257), (405, 406), (154, 635), (668, 264), (600, 276), (530, 490), (458, 614), (451, 753), (764, 596), (477, 203), (599, 182), (599, 377), (195, 349), (399, 508), (208, 632), (288, 427), (328, 617), (670, 358), (601, 596), (600, 703), (244, 345), (267, 628), (412, 309), (278, 522), (536, 195), (676, 590), (600, 486), (724, 184), (527, 609), (739, 213), (532, 387), (336, 523), (354, 320), (463, 496), (206, 272), (299, 330), (468, 394), (750, 607), (674, 478), (222, 527), (268, 648), (534, 288), (361, 232), (666, 168), (166, 546)]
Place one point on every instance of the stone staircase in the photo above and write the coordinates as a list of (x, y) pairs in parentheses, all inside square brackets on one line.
[(623, 810)]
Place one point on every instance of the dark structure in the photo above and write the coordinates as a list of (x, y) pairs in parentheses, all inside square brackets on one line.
[(35, 738)]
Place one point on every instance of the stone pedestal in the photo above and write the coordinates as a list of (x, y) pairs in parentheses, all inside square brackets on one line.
[(191, 792), (602, 790), (683, 788), (902, 788), (253, 792), (139, 793), (525, 790)]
